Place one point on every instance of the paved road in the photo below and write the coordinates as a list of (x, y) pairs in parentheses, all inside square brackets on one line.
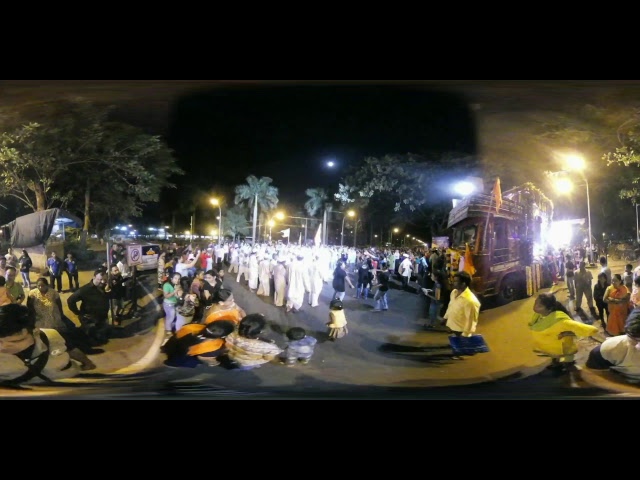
[(385, 355)]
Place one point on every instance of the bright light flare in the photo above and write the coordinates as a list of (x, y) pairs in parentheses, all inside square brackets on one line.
[(464, 188), (575, 162), (563, 185)]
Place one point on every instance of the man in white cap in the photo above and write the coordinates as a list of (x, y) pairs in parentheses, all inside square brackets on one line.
[(405, 270), (316, 279), (264, 276), (253, 270), (279, 282), (298, 283)]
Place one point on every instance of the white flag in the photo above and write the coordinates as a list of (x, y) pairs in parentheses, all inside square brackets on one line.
[(317, 239), (285, 233), (300, 239)]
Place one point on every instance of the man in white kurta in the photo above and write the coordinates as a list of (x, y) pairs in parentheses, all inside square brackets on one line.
[(279, 283), (264, 276), (253, 270), (243, 266), (316, 280), (233, 259), (464, 307), (298, 284)]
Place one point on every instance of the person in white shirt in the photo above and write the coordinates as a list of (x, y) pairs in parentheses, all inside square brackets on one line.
[(405, 270), (620, 353), (184, 264)]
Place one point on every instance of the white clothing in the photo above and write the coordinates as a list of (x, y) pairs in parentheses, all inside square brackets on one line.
[(279, 284), (298, 284), (264, 275), (621, 351), (316, 279), (253, 271)]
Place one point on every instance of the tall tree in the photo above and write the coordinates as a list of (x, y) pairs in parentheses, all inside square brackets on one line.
[(60, 162), (257, 192), (405, 188), (235, 221), (319, 199)]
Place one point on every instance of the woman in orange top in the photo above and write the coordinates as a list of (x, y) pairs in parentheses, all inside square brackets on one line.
[(617, 296), (226, 309), (196, 344)]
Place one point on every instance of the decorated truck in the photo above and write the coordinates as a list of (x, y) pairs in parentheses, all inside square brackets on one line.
[(504, 234)]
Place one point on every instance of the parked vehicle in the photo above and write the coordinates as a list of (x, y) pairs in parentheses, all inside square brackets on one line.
[(506, 235)]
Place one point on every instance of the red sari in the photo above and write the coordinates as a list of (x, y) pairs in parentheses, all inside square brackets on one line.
[(618, 312)]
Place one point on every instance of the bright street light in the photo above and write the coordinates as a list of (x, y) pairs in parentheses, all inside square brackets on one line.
[(577, 163), (351, 213), (216, 203), (395, 230)]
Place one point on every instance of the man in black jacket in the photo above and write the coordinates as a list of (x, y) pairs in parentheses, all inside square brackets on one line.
[(93, 312)]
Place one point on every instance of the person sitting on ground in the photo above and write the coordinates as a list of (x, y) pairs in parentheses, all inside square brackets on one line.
[(45, 306), (621, 353), (246, 349), (197, 344), (225, 307), (299, 348), (337, 324), (554, 331), (29, 354)]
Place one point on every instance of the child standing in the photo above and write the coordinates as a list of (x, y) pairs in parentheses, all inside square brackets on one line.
[(337, 320), (299, 348), (627, 277)]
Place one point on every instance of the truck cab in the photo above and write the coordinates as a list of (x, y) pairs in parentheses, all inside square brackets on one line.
[(506, 242)]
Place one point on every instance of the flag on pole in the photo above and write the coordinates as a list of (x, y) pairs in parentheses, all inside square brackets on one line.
[(300, 239), (497, 194), (468, 262), (317, 240), (285, 233)]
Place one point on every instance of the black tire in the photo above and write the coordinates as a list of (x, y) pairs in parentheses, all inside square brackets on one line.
[(510, 290)]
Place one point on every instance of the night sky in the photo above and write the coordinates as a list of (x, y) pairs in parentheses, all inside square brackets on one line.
[(224, 130), (289, 133)]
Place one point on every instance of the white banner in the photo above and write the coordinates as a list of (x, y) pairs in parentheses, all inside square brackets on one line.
[(285, 233)]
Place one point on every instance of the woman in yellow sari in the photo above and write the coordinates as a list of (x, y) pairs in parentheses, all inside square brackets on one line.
[(554, 331), (617, 296)]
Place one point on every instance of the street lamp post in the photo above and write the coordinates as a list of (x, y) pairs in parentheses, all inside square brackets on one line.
[(395, 230), (355, 234), (216, 202), (351, 213), (576, 162)]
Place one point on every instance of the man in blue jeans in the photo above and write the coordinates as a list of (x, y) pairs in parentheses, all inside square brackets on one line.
[(383, 287)]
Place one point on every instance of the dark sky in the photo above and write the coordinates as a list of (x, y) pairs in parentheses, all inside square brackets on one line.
[(289, 133), (224, 130)]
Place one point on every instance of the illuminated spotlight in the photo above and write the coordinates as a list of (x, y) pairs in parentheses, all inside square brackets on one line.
[(464, 188)]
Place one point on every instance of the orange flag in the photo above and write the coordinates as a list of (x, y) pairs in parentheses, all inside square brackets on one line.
[(497, 194), (468, 261)]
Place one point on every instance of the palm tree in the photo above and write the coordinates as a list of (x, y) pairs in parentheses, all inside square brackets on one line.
[(319, 199), (257, 192)]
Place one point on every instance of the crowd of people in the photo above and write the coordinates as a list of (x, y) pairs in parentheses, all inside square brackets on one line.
[(34, 317), (292, 277)]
